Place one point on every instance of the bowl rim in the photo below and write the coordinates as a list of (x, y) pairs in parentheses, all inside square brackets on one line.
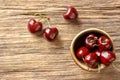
[(81, 65)]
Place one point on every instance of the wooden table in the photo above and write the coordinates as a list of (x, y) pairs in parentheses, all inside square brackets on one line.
[(24, 56)]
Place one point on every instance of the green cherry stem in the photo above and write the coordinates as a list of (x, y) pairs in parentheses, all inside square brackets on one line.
[(83, 59), (48, 21), (99, 65), (43, 17), (38, 14)]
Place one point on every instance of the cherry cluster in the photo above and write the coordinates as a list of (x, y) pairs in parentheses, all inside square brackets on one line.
[(96, 51)]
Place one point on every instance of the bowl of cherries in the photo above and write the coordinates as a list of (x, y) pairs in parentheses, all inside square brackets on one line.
[(92, 49)]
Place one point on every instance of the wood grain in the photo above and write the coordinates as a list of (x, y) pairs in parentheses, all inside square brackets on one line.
[(24, 56)]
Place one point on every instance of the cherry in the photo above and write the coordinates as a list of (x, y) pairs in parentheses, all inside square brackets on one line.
[(91, 60), (71, 13), (50, 33), (34, 26), (82, 52), (97, 52), (91, 41), (104, 43), (107, 57)]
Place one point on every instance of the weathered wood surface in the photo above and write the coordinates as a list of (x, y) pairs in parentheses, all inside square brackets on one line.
[(24, 56)]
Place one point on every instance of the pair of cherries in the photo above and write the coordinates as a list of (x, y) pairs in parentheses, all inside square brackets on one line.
[(96, 51), (48, 32)]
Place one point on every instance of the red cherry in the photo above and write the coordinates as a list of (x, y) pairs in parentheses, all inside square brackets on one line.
[(82, 52), (91, 41), (104, 43), (97, 52), (91, 60), (71, 14), (107, 57), (34, 26), (31, 22), (50, 33)]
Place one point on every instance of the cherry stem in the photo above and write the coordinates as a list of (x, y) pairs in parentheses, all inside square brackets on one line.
[(99, 65), (96, 45), (48, 21), (43, 16), (38, 14), (83, 59), (115, 67)]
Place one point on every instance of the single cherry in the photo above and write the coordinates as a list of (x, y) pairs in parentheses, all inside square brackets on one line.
[(82, 52), (104, 43), (71, 13), (107, 57), (50, 33), (91, 41), (34, 26), (91, 60)]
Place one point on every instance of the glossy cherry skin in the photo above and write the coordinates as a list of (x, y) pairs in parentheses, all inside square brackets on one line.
[(91, 41), (104, 43), (34, 26), (82, 52), (91, 60), (97, 52), (107, 57), (50, 33), (71, 14)]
